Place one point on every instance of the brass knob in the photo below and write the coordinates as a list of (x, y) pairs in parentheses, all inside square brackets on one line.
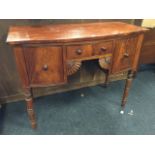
[(103, 49), (45, 67), (79, 51), (126, 54)]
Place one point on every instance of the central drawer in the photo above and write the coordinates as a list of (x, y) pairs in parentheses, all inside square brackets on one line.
[(79, 51), (96, 49), (102, 48)]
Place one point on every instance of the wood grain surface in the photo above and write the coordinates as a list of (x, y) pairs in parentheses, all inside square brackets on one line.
[(69, 32)]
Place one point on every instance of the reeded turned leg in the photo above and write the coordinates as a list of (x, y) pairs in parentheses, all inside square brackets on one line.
[(30, 110), (127, 88)]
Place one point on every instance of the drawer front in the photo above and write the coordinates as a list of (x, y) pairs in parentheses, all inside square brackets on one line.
[(79, 51), (44, 65), (102, 48), (124, 54)]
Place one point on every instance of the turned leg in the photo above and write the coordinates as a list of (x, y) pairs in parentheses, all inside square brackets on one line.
[(127, 88), (30, 110)]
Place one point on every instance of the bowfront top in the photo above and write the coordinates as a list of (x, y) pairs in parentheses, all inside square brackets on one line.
[(69, 32)]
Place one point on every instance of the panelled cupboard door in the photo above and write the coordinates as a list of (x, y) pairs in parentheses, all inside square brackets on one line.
[(124, 54), (45, 65)]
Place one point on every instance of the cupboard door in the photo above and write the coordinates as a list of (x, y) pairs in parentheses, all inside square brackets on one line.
[(124, 54), (45, 65)]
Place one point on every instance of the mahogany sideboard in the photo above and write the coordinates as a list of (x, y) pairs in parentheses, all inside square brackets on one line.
[(47, 55)]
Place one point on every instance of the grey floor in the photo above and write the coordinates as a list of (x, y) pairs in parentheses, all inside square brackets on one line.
[(97, 112)]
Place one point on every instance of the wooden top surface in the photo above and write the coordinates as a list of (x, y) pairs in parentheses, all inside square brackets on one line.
[(69, 32)]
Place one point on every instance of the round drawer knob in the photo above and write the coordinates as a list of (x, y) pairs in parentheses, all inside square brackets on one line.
[(79, 51), (45, 67), (126, 55), (103, 49)]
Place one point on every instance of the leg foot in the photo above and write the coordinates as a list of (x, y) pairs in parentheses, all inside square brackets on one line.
[(30, 110), (31, 113), (122, 112), (127, 88)]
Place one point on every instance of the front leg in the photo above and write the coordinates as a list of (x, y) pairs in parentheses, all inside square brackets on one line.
[(30, 110), (127, 87)]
